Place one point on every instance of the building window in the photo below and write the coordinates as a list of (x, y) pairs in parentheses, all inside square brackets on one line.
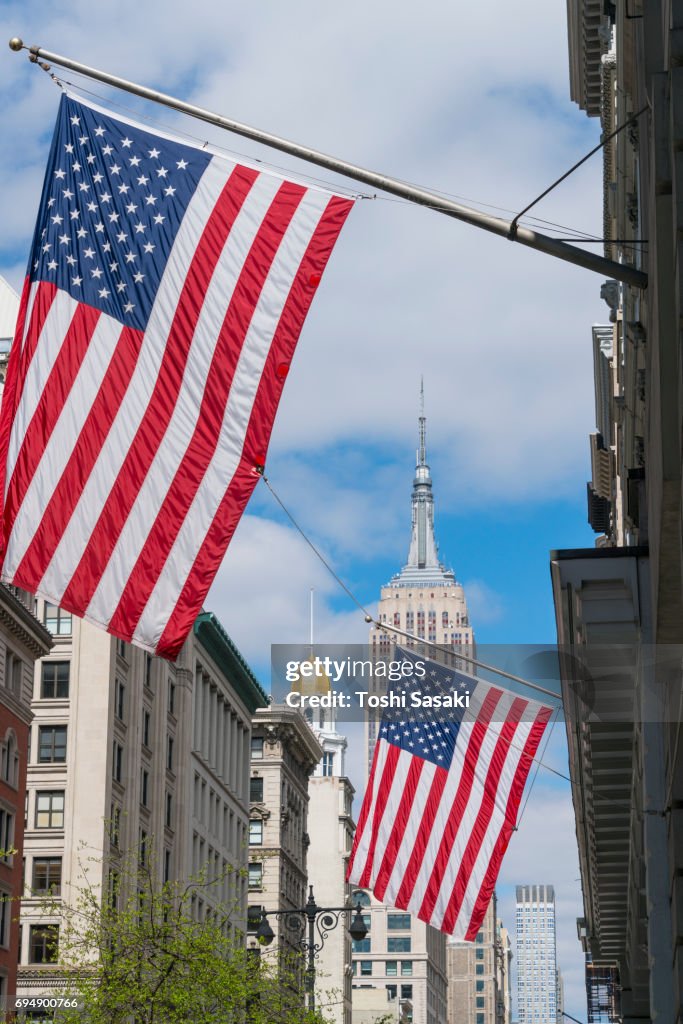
[(9, 760), (257, 747), (54, 682), (255, 875), (479, 953), (117, 762), (5, 918), (480, 1018), (43, 944), (148, 671), (479, 968), (120, 700), (406, 991), (398, 945), (406, 968), (392, 992), (255, 832), (169, 754), (253, 918), (171, 698), (361, 897), (480, 1002), (56, 620), (167, 865), (256, 789), (52, 744), (144, 788), (6, 835), (361, 945), (50, 808), (480, 986), (115, 825), (391, 968), (328, 764), (169, 810), (47, 876), (398, 922), (142, 848), (366, 968), (146, 724)]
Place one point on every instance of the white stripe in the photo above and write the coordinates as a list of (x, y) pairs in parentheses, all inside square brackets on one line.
[(184, 420), (29, 312), (410, 834), (444, 814), (363, 845), (67, 430), (383, 831), (472, 812), (492, 833), (76, 536), (35, 378), (245, 384)]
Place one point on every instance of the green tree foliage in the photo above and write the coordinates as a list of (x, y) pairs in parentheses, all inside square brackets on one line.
[(137, 954)]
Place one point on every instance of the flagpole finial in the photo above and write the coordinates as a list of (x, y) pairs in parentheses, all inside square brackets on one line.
[(16, 44)]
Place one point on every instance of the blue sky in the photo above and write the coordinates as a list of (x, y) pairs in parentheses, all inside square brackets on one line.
[(469, 99)]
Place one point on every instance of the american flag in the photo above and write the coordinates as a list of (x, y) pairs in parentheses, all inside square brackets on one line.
[(442, 798), (166, 290)]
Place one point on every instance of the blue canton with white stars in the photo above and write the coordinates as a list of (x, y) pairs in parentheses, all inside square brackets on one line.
[(428, 733), (113, 200)]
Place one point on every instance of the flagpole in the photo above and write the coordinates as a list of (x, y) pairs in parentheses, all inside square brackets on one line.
[(412, 193)]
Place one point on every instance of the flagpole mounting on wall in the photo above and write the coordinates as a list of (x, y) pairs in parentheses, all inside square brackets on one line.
[(412, 193)]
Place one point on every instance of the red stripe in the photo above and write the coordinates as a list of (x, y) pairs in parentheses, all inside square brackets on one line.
[(239, 491), (19, 361), (366, 806), (484, 815), (516, 790), (10, 390), (162, 402), (457, 809), (77, 470), (383, 790), (400, 825), (50, 406), (209, 418)]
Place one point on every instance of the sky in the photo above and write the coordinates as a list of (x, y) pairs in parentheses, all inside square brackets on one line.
[(471, 100)]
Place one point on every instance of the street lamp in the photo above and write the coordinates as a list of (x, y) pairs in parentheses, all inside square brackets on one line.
[(308, 921)]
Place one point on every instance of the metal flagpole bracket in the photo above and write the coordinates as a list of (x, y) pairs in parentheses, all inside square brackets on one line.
[(412, 193)]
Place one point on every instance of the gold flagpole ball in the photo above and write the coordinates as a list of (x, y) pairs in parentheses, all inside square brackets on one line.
[(16, 44)]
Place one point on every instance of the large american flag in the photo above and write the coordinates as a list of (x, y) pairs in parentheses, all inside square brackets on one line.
[(442, 798), (166, 290)]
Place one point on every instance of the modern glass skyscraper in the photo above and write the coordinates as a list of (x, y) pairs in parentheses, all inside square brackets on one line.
[(536, 955)]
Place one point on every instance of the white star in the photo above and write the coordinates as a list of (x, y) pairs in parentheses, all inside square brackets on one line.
[(181, 164), (81, 232), (100, 131), (113, 267), (71, 260), (105, 198), (128, 308), (150, 200), (67, 193), (75, 120), (104, 293), (92, 207), (126, 143), (142, 180), (88, 253), (75, 214), (76, 166), (56, 219), (76, 281), (131, 208), (64, 240), (97, 178), (138, 278), (60, 174), (113, 217), (115, 169), (154, 153), (134, 161), (162, 172), (96, 273), (121, 286), (130, 257), (51, 202), (170, 191), (107, 247), (47, 246), (91, 158), (83, 139), (52, 265), (121, 237), (69, 148), (99, 227), (159, 219), (107, 149), (149, 247), (123, 189), (140, 228)]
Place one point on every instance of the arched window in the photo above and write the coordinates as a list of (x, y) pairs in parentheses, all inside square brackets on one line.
[(361, 897)]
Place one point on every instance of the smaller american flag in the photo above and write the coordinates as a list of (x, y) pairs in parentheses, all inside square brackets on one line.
[(443, 794)]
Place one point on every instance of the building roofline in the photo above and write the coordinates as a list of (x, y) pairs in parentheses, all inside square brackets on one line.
[(212, 635)]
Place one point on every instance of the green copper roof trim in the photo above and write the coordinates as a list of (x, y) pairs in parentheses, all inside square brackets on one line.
[(212, 635)]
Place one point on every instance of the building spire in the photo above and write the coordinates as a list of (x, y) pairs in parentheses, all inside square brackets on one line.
[(423, 553)]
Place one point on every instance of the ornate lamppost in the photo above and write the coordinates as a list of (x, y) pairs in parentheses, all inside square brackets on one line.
[(311, 924)]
